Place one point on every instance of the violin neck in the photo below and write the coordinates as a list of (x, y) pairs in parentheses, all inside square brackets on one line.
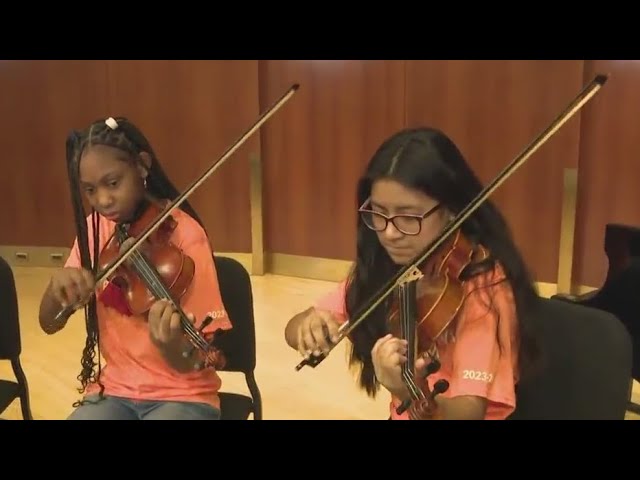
[(407, 317), (408, 313)]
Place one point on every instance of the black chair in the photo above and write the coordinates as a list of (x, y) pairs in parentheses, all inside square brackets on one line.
[(586, 365), (11, 344), (619, 296), (239, 343)]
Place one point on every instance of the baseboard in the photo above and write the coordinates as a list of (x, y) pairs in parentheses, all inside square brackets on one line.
[(27, 256), (315, 268), (328, 269), (245, 259), (334, 270), (546, 289)]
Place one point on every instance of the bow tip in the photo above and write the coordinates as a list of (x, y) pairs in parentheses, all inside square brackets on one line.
[(601, 78)]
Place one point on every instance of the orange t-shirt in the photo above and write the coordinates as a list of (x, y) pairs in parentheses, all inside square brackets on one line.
[(135, 368), (475, 364)]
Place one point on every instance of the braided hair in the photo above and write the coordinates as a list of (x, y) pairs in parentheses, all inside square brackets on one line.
[(128, 138)]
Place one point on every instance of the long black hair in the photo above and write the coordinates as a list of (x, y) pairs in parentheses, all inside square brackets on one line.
[(425, 159), (128, 138)]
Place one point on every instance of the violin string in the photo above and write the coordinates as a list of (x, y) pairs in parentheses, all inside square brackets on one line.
[(404, 331), (151, 278), (407, 295), (160, 291)]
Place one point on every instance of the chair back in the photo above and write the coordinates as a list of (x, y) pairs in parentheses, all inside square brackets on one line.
[(239, 343), (621, 299), (586, 366), (10, 340)]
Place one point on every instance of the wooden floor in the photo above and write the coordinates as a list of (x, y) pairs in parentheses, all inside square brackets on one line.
[(52, 363)]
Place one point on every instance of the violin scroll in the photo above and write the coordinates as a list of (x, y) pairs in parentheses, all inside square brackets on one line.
[(427, 408), (210, 355), (423, 406)]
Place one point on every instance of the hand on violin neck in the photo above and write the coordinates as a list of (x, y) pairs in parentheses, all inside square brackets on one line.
[(388, 355), (166, 333)]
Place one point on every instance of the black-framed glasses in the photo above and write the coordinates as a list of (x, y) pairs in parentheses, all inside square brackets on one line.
[(408, 224)]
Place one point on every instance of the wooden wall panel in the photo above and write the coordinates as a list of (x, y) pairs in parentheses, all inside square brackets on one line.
[(192, 111), (492, 110), (315, 148), (40, 103), (609, 166)]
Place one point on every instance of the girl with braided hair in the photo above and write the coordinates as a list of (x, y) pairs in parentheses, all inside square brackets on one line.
[(113, 166)]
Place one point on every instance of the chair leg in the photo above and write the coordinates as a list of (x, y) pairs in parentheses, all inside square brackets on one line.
[(633, 407), (255, 394), (25, 404)]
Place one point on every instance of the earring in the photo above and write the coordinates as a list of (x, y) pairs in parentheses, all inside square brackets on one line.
[(144, 181)]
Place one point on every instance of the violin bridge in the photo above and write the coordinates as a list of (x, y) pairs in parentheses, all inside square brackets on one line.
[(413, 275)]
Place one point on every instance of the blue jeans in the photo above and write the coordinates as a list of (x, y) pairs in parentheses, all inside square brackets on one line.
[(118, 408)]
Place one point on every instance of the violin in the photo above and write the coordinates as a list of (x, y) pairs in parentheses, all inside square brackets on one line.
[(423, 317), (162, 270), (447, 305), (166, 272)]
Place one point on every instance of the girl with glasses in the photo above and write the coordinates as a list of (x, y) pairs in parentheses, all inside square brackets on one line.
[(416, 182)]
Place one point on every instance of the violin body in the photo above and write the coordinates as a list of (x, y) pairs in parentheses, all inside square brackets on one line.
[(439, 302), (423, 311), (172, 266)]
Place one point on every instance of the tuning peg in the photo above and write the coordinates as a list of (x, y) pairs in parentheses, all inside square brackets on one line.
[(439, 387), (207, 320), (432, 368)]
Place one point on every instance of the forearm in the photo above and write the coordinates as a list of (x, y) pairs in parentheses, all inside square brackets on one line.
[(49, 308)]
